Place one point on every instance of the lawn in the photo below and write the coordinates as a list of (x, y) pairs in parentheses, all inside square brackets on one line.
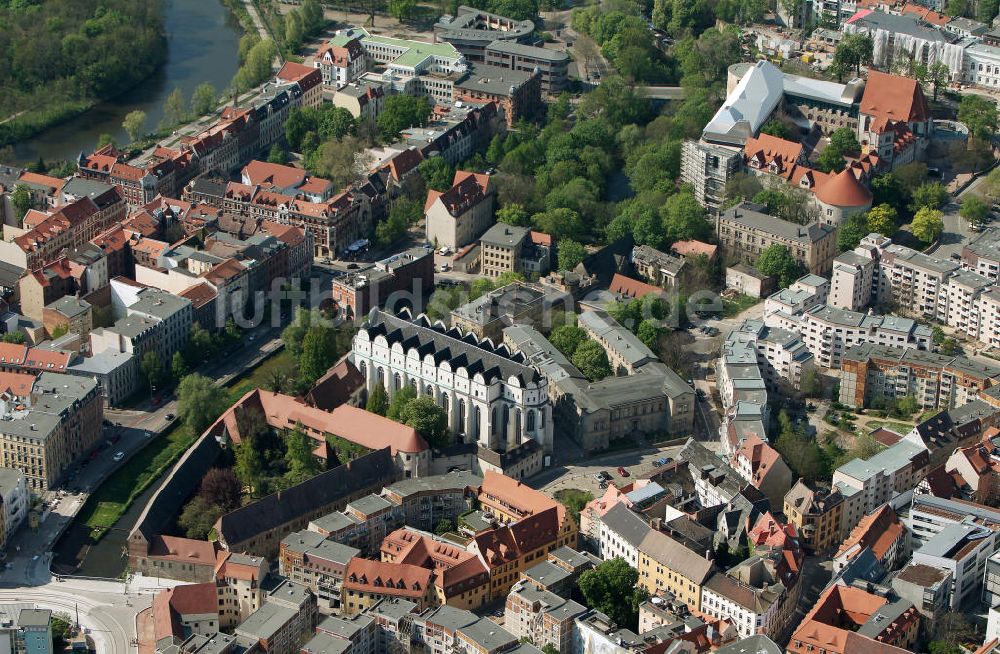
[(732, 307), (261, 375), (574, 499), (113, 497), (900, 428)]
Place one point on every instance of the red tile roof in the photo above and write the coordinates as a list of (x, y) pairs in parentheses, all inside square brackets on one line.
[(843, 190), (516, 496), (891, 98), (386, 578), (264, 173), (307, 76), (686, 248), (356, 425), (633, 288), (878, 530)]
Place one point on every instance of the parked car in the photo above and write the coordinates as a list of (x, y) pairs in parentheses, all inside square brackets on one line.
[(622, 471), (170, 417), (119, 456)]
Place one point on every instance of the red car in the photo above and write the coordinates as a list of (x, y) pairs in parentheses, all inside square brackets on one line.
[(622, 471)]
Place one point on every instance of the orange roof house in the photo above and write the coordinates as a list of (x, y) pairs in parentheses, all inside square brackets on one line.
[(694, 248), (633, 288), (461, 579), (366, 582), (843, 190), (881, 532), (833, 622)]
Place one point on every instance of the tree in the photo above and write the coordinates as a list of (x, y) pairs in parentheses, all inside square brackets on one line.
[(249, 463), (852, 231), (567, 338), (402, 10), (378, 401), (979, 114), (20, 199), (853, 51), (683, 218), (257, 65), (198, 517), (591, 359), (199, 402), (830, 160), (399, 400), (178, 366), (302, 465), (803, 455), (173, 108), (400, 112), (882, 219), (200, 346), (937, 76), (427, 418), (974, 209), (513, 214), (437, 173), (221, 487), (844, 141), (319, 352), (443, 526), (277, 155), (134, 124), (776, 260), (152, 368), (778, 128), (929, 194), (105, 139), (927, 224), (956, 8), (571, 254), (335, 160), (14, 337), (613, 589), (335, 123), (203, 99)]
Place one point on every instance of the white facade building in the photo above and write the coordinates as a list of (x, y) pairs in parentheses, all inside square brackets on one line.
[(490, 395)]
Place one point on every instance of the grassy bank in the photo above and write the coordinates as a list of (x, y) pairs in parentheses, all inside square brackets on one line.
[(113, 497)]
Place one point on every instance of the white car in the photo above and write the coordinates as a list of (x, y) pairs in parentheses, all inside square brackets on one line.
[(118, 456)]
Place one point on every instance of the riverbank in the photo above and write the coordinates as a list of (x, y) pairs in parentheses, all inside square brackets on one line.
[(201, 46)]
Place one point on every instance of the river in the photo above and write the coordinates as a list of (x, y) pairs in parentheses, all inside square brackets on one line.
[(202, 46)]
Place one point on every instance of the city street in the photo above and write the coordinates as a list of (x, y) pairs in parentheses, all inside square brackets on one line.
[(106, 608)]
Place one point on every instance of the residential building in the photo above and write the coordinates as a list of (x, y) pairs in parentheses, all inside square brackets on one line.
[(831, 333), (342, 59), (882, 477), (309, 79), (762, 466), (745, 232), (658, 268), (407, 276), (460, 580), (667, 566), (311, 559), (366, 582), (846, 620), (620, 533), (14, 497), (516, 92), (48, 423), (490, 397), (541, 616), (747, 280), (882, 533), (758, 596), (34, 631), (279, 625), (817, 515), (116, 374), (508, 248), (873, 374), (363, 100), (461, 214)]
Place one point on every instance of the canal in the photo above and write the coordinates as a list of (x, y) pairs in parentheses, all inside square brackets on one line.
[(202, 46)]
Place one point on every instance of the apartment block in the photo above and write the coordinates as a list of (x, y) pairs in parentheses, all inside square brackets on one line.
[(874, 374), (313, 560), (879, 479), (817, 514), (551, 65), (745, 231), (460, 215), (541, 616), (404, 277)]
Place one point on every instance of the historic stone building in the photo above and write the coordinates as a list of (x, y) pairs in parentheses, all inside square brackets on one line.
[(492, 396)]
